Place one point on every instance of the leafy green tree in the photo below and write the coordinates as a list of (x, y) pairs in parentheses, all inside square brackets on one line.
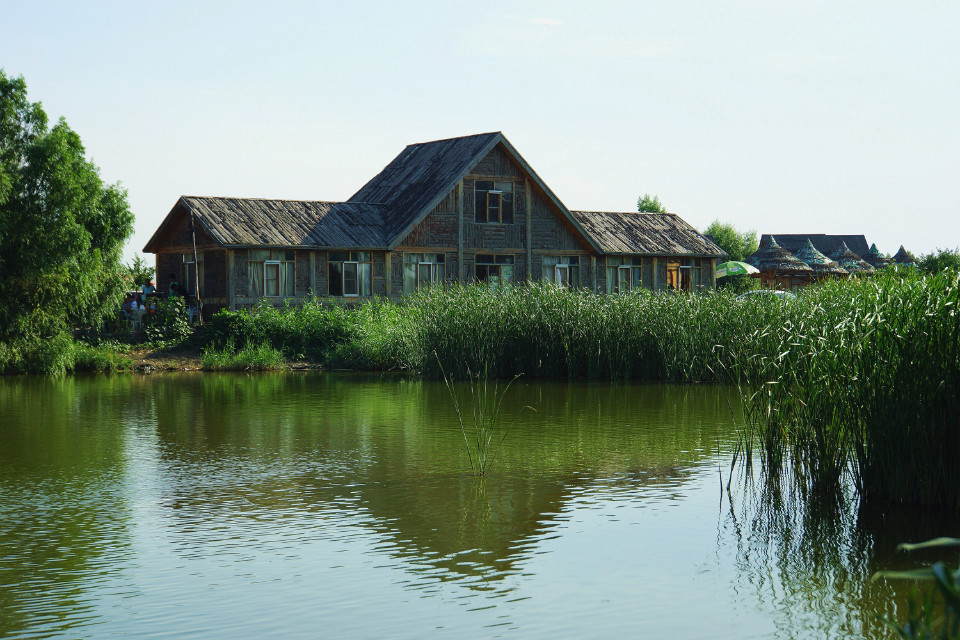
[(137, 272), (939, 260), (61, 228), (650, 204), (739, 244)]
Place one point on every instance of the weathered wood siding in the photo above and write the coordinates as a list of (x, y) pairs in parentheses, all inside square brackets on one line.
[(215, 273), (439, 228)]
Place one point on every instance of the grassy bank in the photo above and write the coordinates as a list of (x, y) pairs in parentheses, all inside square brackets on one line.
[(61, 353), (535, 330)]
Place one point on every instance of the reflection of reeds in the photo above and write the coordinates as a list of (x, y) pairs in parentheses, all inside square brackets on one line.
[(935, 614), (483, 441)]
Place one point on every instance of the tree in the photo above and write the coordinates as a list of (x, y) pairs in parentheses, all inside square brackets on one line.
[(648, 204), (61, 229), (739, 244), (137, 272), (940, 260)]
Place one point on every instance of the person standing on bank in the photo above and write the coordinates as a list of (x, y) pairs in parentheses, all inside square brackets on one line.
[(174, 286)]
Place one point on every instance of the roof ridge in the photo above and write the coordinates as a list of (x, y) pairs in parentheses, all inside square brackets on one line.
[(472, 135), (639, 213), (261, 199)]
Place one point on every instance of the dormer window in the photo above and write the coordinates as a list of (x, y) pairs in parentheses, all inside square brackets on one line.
[(494, 202)]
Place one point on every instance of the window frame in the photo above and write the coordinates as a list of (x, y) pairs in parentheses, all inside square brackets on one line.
[(554, 265), (187, 279), (493, 202), (684, 274), (623, 274), (436, 271), (285, 262), (362, 267), (497, 264)]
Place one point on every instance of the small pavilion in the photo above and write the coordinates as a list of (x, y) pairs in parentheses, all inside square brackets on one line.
[(778, 268), (821, 266), (850, 261)]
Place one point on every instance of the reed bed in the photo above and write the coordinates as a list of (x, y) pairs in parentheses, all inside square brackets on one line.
[(866, 386), (544, 331), (855, 380)]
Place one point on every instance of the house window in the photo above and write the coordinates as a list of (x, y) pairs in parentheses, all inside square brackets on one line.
[(494, 201), (624, 274), (349, 273), (271, 273), (562, 270), (683, 274), (494, 270), (190, 271), (420, 270)]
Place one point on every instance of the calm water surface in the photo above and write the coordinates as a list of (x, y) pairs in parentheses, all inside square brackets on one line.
[(322, 505)]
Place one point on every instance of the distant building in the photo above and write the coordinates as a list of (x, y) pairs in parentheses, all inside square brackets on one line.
[(781, 258)]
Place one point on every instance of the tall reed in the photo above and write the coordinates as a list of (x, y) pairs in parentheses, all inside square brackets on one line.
[(866, 385), (485, 437)]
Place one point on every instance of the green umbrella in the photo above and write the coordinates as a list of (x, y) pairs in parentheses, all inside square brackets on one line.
[(734, 268)]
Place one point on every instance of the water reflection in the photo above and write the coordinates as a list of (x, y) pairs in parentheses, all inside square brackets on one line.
[(242, 448), (812, 560), (244, 499)]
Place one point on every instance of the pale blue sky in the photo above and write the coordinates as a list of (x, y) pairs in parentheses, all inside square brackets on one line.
[(784, 117)]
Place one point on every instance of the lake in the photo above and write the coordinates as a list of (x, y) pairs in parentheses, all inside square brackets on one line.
[(301, 505)]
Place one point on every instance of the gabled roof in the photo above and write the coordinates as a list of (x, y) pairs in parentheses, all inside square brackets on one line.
[(824, 243), (250, 222), (646, 233), (423, 174)]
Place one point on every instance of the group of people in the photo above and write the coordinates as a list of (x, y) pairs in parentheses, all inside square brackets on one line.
[(144, 301), (177, 290)]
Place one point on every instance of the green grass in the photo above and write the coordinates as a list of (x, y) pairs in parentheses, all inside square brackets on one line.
[(260, 357), (483, 433)]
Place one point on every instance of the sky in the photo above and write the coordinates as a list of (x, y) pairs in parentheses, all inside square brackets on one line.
[(838, 117)]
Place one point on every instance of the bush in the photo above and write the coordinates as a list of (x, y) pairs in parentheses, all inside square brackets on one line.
[(168, 324)]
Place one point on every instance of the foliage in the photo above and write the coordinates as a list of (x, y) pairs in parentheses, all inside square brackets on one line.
[(59, 354), (738, 244), (937, 614), (168, 324), (370, 335), (940, 260), (650, 204), (61, 228), (864, 383), (137, 272), (261, 357)]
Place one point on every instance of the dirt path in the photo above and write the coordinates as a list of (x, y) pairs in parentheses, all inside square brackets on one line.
[(178, 360)]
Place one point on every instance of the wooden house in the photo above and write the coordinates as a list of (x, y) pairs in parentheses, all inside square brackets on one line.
[(466, 209)]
